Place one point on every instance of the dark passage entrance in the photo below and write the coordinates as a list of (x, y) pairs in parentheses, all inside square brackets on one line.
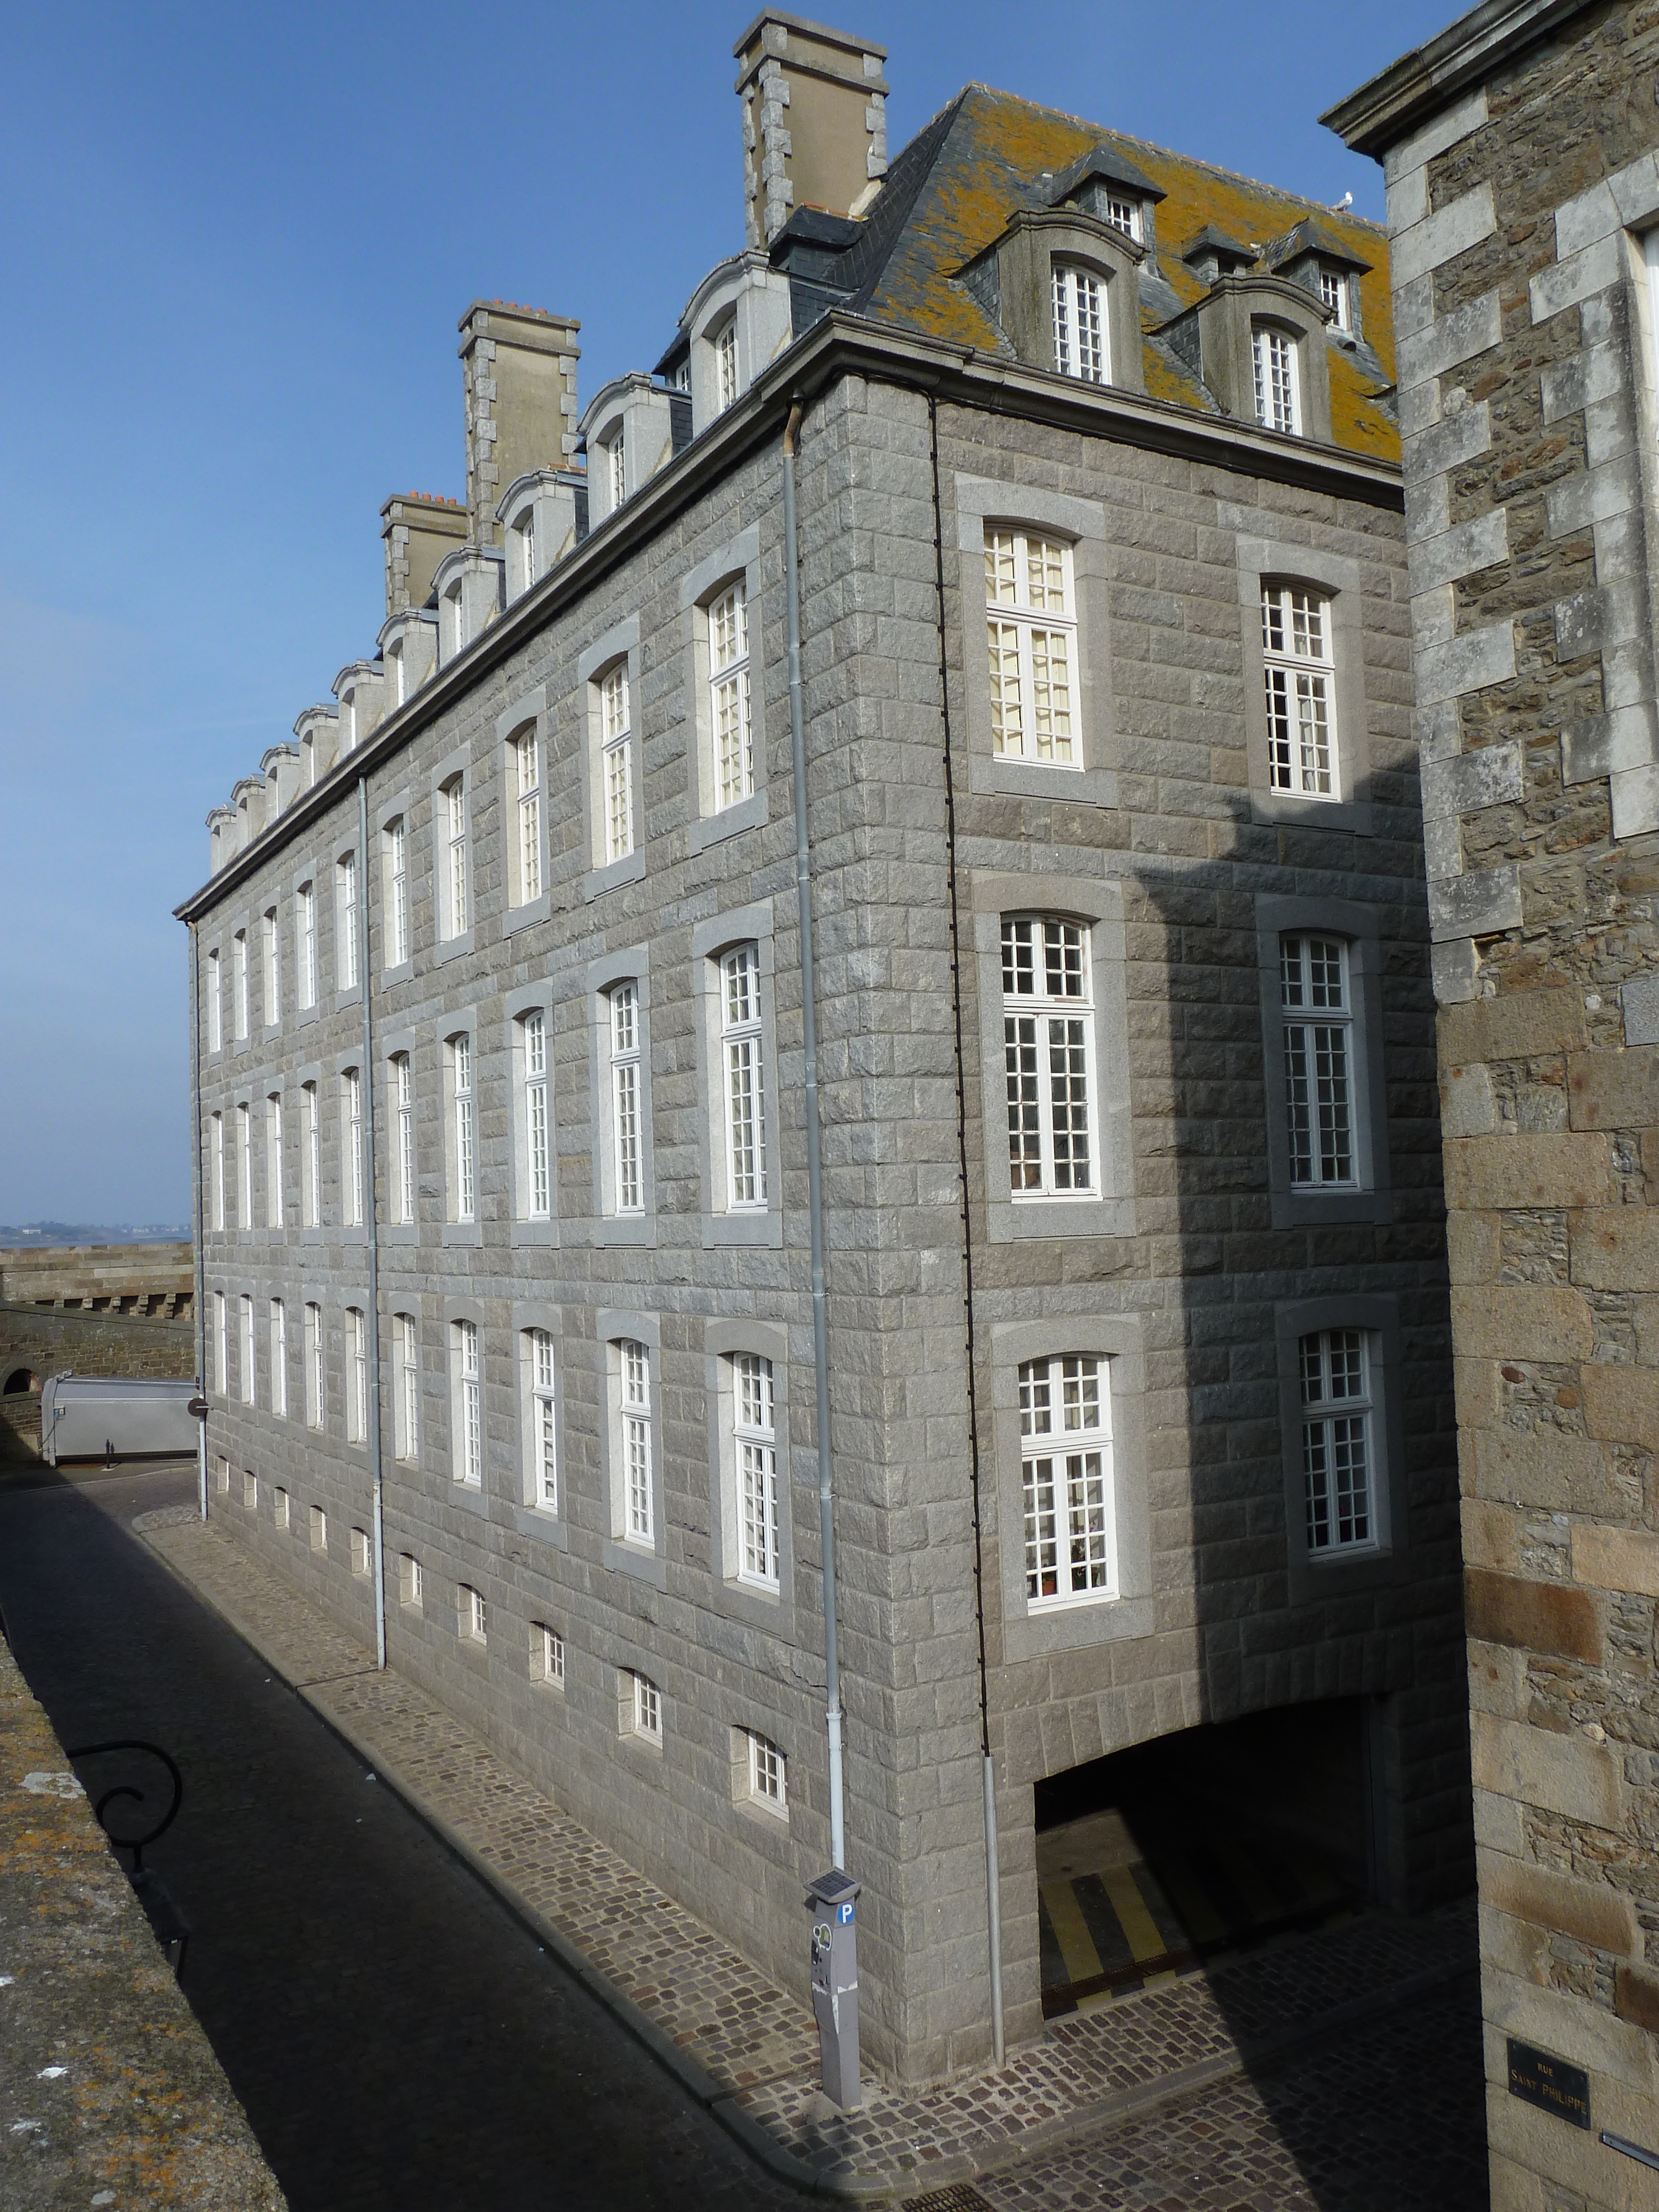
[(1155, 1861)]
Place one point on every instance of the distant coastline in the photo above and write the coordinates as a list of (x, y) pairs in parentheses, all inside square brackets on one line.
[(94, 1233)]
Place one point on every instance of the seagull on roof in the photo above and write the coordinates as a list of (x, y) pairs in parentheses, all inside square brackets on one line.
[(1346, 201)]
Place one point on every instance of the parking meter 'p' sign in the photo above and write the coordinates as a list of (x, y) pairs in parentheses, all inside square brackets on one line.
[(831, 1900)]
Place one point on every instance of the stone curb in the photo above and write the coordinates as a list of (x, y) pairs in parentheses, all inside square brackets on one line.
[(721, 2104)]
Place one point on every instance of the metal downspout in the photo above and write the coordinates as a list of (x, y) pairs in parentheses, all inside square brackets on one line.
[(992, 1881), (196, 1212), (814, 1152), (377, 1529)]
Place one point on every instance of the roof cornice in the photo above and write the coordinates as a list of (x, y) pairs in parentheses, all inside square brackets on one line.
[(1420, 83), (837, 346)]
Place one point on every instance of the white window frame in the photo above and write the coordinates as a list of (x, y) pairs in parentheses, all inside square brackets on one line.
[(466, 1403), (1338, 1415), (1317, 1041), (318, 1529), (536, 1112), (215, 1011), (357, 1376), (220, 1345), (473, 1614), (728, 382), (404, 1185), (541, 1450), (347, 968), (1299, 675), (273, 968), (635, 1554), (411, 1581), (755, 1469), (279, 1507), (278, 1332), (1276, 373), (304, 943), (625, 1122), (311, 1142), (244, 1164), (1336, 293), (395, 847), (547, 1657), (1032, 642), (634, 1428), (351, 1146), (1082, 326), (1125, 214), (464, 1129), (406, 1387), (616, 794), (526, 748), (360, 1552), (742, 1072), (216, 1146), (764, 1775), (1066, 1479), (642, 1708), (1033, 1087), (456, 899), (730, 705), (240, 983), (250, 1490), (316, 1367), (275, 1208), (246, 1349), (615, 467)]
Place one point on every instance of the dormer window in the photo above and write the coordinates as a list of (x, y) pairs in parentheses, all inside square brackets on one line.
[(1080, 342), (1278, 405), (394, 663), (1333, 293), (616, 466), (726, 366), (454, 628), (1123, 214), (524, 546)]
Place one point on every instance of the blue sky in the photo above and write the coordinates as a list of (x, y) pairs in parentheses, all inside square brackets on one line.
[(238, 240)]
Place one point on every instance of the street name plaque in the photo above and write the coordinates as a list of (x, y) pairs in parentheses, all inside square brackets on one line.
[(1549, 2083)]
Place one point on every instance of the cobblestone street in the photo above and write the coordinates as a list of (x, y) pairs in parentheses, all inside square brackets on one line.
[(399, 2039)]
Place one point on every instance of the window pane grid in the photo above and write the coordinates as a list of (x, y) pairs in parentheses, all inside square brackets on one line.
[(647, 1709), (627, 1149), (537, 1154), (1047, 1054), (345, 917), (1067, 1476), (745, 1105), (466, 1183), (1318, 1061), (1276, 380), (406, 1107), (616, 739), (1336, 1444), (546, 1474), (767, 1771), (455, 800), (398, 862), (527, 755), (470, 1470), (728, 664), (1079, 324), (1030, 660), (634, 1372), (1297, 670), (756, 1442)]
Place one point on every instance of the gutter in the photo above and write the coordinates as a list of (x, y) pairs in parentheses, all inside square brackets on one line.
[(838, 346)]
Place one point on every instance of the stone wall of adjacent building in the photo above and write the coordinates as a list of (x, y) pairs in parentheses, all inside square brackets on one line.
[(1526, 371), (155, 1282), (1191, 1284)]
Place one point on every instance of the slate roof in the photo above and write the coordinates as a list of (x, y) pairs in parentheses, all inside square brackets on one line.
[(949, 194)]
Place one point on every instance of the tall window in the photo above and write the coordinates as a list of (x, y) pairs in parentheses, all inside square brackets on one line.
[(245, 1350), (273, 968), (274, 1202), (305, 931), (1336, 1439), (1277, 404), (745, 1099), (245, 1165), (525, 534), (313, 1156), (397, 893), (1079, 324), (1333, 293), (351, 1133), (1315, 993), (1066, 1468), (616, 762), (543, 1458), (220, 1345), (218, 1139), (403, 1092), (616, 468), (466, 1193), (1031, 631), (538, 1182), (646, 1708), (475, 1622), (314, 1398), (278, 1357), (626, 1135), (345, 919), (1048, 1051), (406, 1353), (755, 1443), (356, 1376), (468, 1400), (526, 760), (239, 955), (547, 1654), (216, 1012), (633, 1418), (1296, 647), (454, 798), (729, 704), (726, 366)]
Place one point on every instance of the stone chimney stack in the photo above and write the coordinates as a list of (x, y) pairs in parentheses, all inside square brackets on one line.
[(419, 532), (520, 369), (814, 121)]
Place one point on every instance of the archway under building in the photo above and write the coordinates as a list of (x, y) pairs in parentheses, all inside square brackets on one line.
[(1182, 1852), (20, 1380)]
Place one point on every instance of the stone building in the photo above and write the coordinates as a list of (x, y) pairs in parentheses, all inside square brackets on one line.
[(1521, 153), (1139, 1398)]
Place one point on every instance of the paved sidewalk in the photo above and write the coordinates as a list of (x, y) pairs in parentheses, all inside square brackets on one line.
[(748, 2051)]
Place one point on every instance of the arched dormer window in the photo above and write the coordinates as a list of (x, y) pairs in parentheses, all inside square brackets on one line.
[(1275, 356), (1082, 346)]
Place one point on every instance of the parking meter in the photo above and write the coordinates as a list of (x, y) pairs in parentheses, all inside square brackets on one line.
[(830, 1899)]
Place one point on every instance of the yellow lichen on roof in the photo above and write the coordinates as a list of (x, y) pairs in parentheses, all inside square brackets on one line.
[(998, 149)]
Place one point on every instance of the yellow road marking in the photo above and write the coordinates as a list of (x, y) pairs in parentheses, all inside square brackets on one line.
[(1130, 1906), (1076, 1945)]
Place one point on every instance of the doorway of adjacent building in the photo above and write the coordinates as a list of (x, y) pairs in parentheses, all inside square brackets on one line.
[(1158, 1862)]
